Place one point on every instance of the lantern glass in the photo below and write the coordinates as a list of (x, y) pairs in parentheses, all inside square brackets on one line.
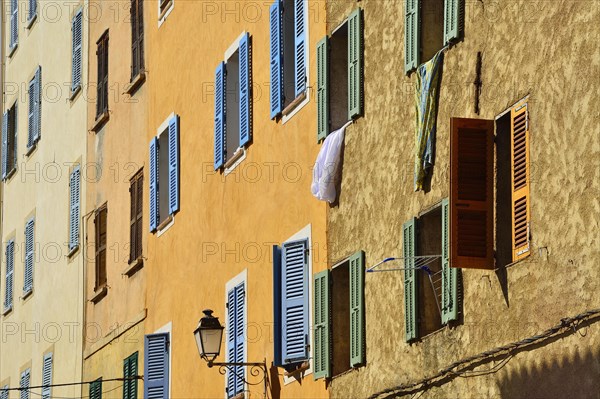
[(209, 336)]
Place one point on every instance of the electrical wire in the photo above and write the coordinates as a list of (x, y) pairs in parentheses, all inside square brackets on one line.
[(67, 384), (75, 397)]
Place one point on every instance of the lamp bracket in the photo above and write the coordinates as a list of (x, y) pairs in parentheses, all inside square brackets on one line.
[(254, 369)]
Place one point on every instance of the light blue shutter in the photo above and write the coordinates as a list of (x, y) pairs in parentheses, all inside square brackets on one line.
[(449, 274), (77, 28), (31, 116), (74, 208), (235, 339), (245, 90), (322, 346), (294, 302), (4, 392), (29, 256), (322, 88), (32, 9), (174, 164), (47, 376), (4, 144), (220, 122), (14, 23), (156, 366), (10, 270), (355, 61), (231, 355), (276, 34), (153, 191), (24, 384), (411, 34), (38, 105), (277, 332), (410, 280), (299, 47), (452, 20), (357, 282)]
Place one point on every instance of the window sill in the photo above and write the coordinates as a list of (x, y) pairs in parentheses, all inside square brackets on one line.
[(27, 294), (133, 267), (74, 93), (99, 294), (239, 396), (165, 225), (294, 373), (99, 122), (292, 106), (236, 159), (31, 21), (73, 251), (11, 50), (7, 311), (135, 83)]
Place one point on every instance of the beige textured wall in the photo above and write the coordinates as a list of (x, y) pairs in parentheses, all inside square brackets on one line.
[(547, 50)]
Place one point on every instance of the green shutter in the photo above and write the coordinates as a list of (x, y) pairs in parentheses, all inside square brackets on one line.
[(411, 34), (130, 370), (96, 389), (322, 347), (355, 55), (449, 274), (322, 89), (452, 20), (410, 280), (357, 282)]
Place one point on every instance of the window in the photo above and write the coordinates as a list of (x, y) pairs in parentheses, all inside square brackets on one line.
[(236, 324), (102, 83), (339, 317), (100, 222), (137, 38), (339, 76), (233, 104), (74, 206), (136, 191), (35, 109), (10, 270), (289, 54), (29, 257), (9, 142), (130, 373), (47, 376), (77, 31), (164, 175), (14, 26), (429, 26), (32, 12), (156, 366), (24, 384), (96, 389)]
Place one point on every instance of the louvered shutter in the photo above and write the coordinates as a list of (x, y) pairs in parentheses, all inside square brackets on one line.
[(276, 55), (47, 376), (135, 67), (299, 47), (4, 144), (74, 208), (4, 392), (14, 23), (355, 61), (156, 366), (410, 279), (322, 347), (24, 384), (357, 309), (133, 192), (174, 164), (29, 256), (130, 375), (277, 331), (153, 191), (140, 215), (449, 274), (32, 9), (471, 193), (235, 339), (245, 90), (140, 26), (220, 122), (295, 302), (10, 270), (38, 103), (100, 80), (31, 116), (412, 40), (521, 213), (453, 20), (322, 88), (77, 28), (96, 389)]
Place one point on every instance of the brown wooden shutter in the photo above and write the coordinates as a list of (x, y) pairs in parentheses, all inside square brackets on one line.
[(471, 193), (105, 76), (101, 227), (134, 39), (100, 80), (135, 230), (520, 181), (140, 28)]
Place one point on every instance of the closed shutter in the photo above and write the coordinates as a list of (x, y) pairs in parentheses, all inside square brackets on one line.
[(355, 61), (130, 372), (235, 339), (322, 347), (100, 80), (156, 366), (453, 16), (357, 282), (24, 384), (105, 74), (322, 88), (47, 376), (101, 231), (277, 331), (410, 279), (299, 47), (32, 9), (96, 389), (74, 208), (135, 67), (449, 274), (31, 116), (220, 109), (174, 164), (412, 40), (245, 90), (153, 178), (38, 103), (135, 220), (294, 302), (4, 392), (140, 37), (29, 256), (77, 29), (521, 213), (276, 55), (14, 23), (10, 270), (12, 128), (471, 193), (4, 144)]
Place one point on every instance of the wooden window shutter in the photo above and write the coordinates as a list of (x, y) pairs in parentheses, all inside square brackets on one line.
[(156, 366), (31, 115), (276, 56), (105, 74), (300, 47), (101, 232), (130, 372), (471, 193), (38, 104), (32, 12), (322, 88), (135, 67), (4, 392), (449, 274), (357, 309), (410, 279), (174, 164), (277, 332), (355, 61), (77, 29), (521, 204), (29, 256), (139, 215), (74, 213), (100, 80), (4, 144), (140, 37), (96, 389), (47, 376), (135, 193), (322, 318), (220, 121), (10, 269), (24, 384), (245, 90), (153, 190), (412, 33), (235, 338), (453, 20), (14, 23)]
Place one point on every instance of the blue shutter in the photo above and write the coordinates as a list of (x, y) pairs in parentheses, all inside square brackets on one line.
[(4, 144), (4, 392), (24, 383), (156, 366), (32, 10), (153, 191), (235, 339), (299, 47), (220, 109), (276, 33), (47, 376), (174, 164), (76, 55), (245, 90), (277, 361), (74, 208), (294, 302), (31, 117), (10, 270), (29, 256), (38, 104), (231, 356), (14, 23)]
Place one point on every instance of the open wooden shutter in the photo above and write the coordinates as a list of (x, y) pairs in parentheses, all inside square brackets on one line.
[(300, 47), (130, 366), (355, 61), (74, 208), (29, 256), (24, 384), (235, 339), (100, 80), (410, 279), (101, 231), (453, 16), (10, 267), (153, 190), (276, 55), (245, 90), (156, 366), (140, 37), (4, 392), (220, 121), (4, 144), (31, 116), (322, 88), (174, 164), (32, 12), (14, 23), (38, 103), (47, 376), (471, 193), (412, 40), (521, 213), (77, 28), (357, 309), (96, 389), (449, 274), (277, 298), (322, 347), (135, 66)]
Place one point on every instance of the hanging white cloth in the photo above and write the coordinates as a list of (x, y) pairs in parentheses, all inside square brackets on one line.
[(325, 171)]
